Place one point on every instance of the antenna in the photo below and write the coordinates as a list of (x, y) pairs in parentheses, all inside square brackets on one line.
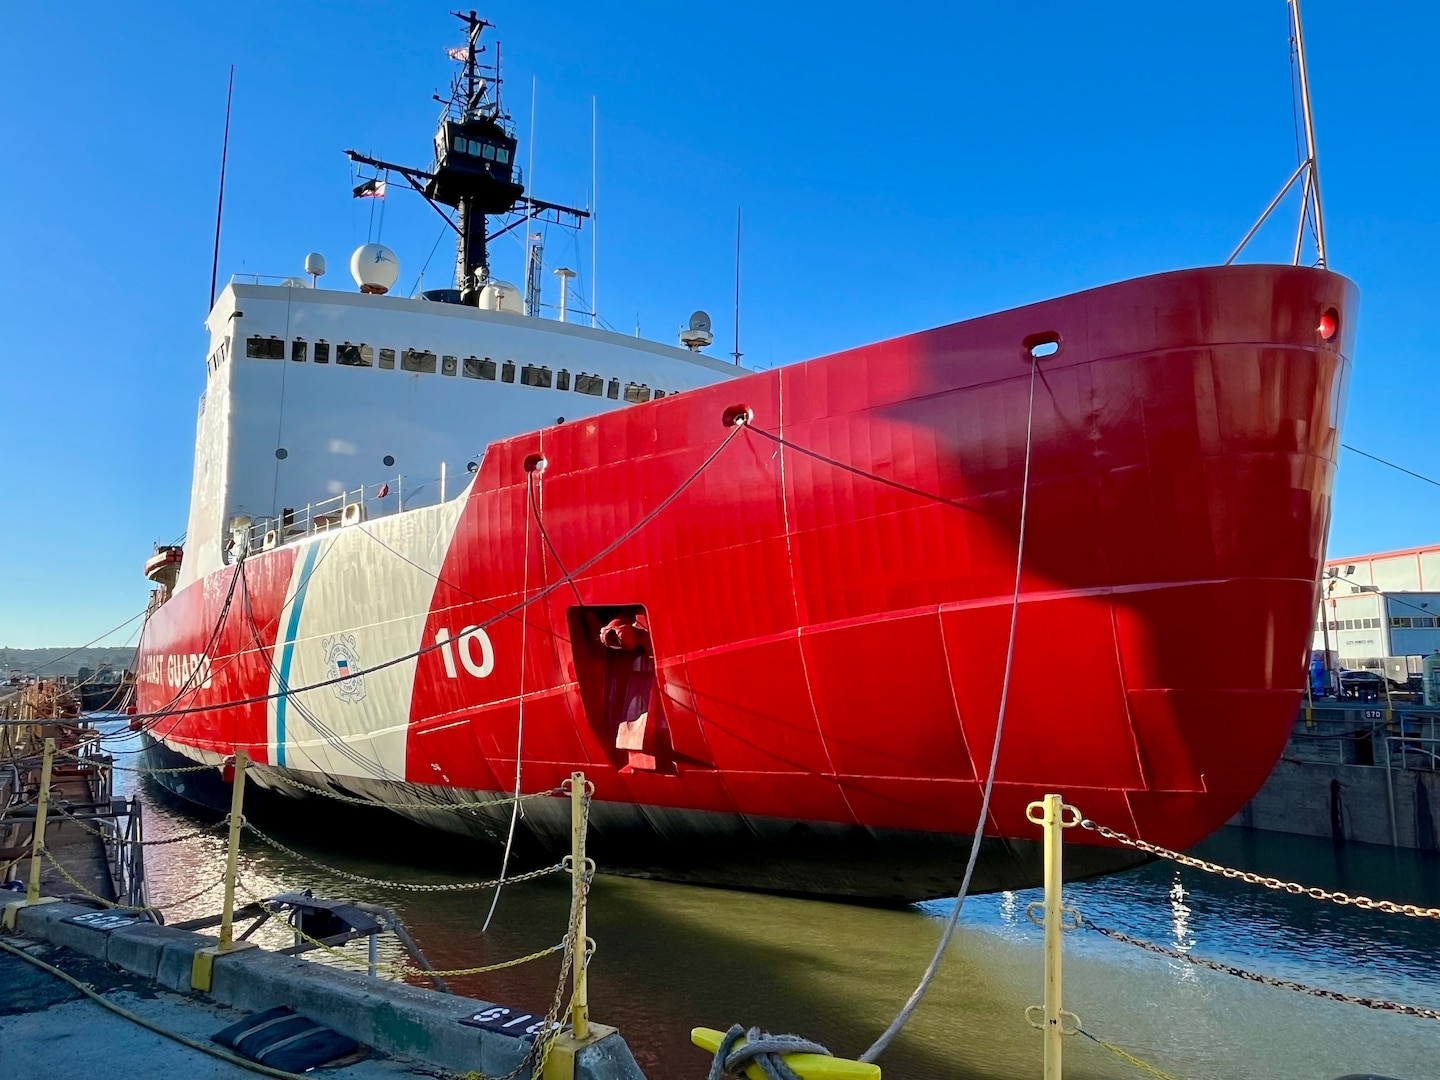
[(220, 203), (737, 354), (594, 222), (1309, 168)]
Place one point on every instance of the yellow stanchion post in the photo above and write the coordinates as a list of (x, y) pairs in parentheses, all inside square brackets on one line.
[(560, 1060), (37, 842), (42, 809), (202, 967), (580, 1002), (1052, 1019)]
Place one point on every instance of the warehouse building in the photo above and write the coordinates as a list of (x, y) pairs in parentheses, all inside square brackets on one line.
[(1381, 610)]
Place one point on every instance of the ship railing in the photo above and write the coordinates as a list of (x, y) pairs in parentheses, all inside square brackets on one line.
[(352, 506)]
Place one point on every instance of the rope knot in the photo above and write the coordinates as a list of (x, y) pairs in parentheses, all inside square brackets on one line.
[(763, 1049)]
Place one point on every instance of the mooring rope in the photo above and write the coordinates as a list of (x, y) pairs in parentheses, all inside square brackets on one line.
[(908, 1009)]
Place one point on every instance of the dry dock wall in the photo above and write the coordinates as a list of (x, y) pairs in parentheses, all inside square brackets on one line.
[(1348, 802), (393, 1017)]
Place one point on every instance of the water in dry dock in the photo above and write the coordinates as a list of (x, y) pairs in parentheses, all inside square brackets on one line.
[(672, 957)]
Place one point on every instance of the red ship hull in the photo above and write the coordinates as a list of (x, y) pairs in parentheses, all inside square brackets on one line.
[(829, 649)]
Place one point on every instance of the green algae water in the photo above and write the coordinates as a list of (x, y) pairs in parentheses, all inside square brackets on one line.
[(673, 957)]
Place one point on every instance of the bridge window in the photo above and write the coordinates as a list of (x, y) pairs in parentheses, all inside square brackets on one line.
[(636, 392), (594, 385), (417, 361), (531, 375), (502, 155), (562, 379), (448, 365), (354, 355), (476, 368), (271, 348), (507, 371), (298, 349), (322, 352), (613, 390), (659, 394), (387, 359)]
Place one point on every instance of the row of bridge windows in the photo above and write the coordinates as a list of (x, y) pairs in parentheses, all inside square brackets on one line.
[(423, 362)]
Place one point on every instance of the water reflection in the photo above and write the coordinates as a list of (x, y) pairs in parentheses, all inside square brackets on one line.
[(672, 957)]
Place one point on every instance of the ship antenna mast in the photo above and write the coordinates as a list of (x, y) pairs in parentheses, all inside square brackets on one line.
[(1309, 168), (475, 171)]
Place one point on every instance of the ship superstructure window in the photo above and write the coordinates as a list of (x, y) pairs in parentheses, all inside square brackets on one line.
[(531, 375), (387, 359), (507, 371), (562, 379), (636, 393), (475, 368), (594, 385), (322, 352), (613, 390), (298, 350), (417, 361), (659, 394), (271, 348), (354, 355), (448, 365)]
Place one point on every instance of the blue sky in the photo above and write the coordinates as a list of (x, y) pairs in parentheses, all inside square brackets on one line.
[(898, 169)]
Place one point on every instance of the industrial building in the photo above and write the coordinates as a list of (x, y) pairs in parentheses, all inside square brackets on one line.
[(1379, 608)]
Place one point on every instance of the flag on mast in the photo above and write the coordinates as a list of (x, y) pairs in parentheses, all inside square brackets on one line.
[(374, 188)]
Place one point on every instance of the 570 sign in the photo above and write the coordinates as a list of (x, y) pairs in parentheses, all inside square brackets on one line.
[(477, 654)]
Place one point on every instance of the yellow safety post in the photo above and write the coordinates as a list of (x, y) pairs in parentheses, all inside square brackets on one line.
[(1054, 817), (202, 967), (42, 807), (560, 1059), (37, 843), (580, 1002)]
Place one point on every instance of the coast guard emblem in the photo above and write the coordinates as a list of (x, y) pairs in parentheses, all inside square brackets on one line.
[(344, 662)]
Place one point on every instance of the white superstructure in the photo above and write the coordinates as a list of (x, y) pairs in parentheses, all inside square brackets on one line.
[(314, 392)]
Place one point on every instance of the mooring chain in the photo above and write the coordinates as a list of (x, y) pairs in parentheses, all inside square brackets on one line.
[(178, 838), (1291, 887), (409, 886), (1268, 980)]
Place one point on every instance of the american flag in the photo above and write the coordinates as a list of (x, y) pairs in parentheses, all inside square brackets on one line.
[(462, 53)]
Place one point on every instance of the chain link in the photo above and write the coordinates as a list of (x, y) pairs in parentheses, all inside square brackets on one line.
[(409, 886), (1268, 980), (1125, 1055), (176, 839), (1294, 889)]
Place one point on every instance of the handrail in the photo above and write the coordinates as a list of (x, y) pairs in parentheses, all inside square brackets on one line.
[(374, 500)]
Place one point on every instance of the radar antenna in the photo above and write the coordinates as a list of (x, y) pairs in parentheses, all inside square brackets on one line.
[(475, 172)]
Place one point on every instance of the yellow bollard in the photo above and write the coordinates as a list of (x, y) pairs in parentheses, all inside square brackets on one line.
[(1054, 817), (202, 966)]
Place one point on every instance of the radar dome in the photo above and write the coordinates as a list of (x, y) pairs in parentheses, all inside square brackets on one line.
[(501, 296), (374, 268)]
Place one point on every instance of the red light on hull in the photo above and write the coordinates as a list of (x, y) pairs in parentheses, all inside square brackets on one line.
[(1329, 324)]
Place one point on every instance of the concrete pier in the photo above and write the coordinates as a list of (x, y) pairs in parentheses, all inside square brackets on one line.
[(395, 1018), (1360, 771)]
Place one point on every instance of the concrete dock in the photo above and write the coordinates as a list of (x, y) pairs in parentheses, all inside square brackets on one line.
[(423, 1027)]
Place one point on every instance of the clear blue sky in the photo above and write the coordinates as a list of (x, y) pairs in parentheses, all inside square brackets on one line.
[(899, 168)]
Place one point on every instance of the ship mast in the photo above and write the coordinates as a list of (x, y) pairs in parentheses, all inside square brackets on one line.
[(475, 171), (1309, 168)]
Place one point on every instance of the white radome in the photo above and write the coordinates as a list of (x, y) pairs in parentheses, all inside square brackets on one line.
[(374, 268)]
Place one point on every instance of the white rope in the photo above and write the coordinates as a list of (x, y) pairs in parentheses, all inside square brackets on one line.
[(520, 720), (903, 1016)]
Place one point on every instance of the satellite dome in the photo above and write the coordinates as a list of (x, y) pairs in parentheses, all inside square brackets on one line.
[(501, 296), (374, 268)]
